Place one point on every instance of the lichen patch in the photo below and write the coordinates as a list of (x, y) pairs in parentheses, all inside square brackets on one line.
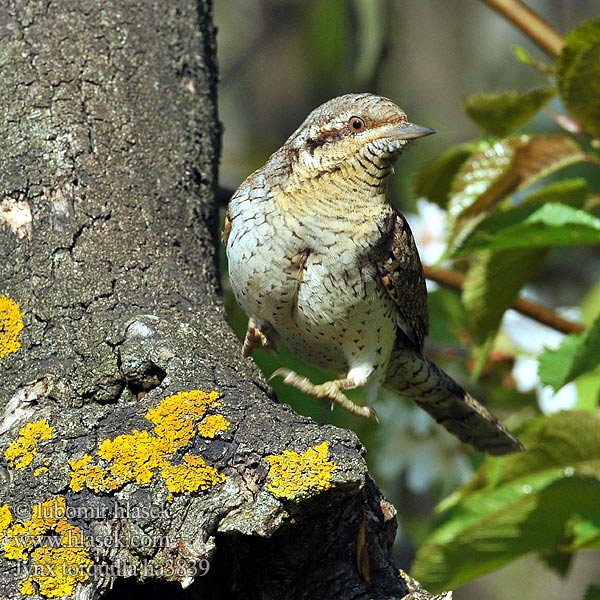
[(191, 475), (211, 425), (11, 324), (23, 450), (56, 551), (295, 476), (138, 456), (5, 518)]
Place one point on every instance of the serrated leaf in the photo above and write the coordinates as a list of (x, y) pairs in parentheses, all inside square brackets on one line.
[(532, 226), (483, 179), (578, 75), (540, 156), (578, 354), (491, 286), (555, 364), (517, 504), (488, 176), (501, 114), (434, 180)]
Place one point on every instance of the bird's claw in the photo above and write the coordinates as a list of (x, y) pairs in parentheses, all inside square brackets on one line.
[(330, 390), (256, 337)]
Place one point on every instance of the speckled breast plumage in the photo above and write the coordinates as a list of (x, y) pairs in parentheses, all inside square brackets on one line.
[(317, 287)]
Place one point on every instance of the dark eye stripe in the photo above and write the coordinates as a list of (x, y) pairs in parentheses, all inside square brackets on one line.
[(325, 137)]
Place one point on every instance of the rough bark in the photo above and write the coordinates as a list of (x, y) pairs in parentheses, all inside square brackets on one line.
[(108, 233)]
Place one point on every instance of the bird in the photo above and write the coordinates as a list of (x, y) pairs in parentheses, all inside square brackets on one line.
[(321, 261)]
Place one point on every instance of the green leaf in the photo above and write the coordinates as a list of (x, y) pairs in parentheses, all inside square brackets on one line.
[(483, 179), (555, 364), (582, 534), (501, 114), (573, 192), (532, 226), (491, 286), (578, 354), (588, 392), (578, 75), (446, 315), (434, 180), (517, 504), (524, 57), (592, 593), (590, 306), (489, 175)]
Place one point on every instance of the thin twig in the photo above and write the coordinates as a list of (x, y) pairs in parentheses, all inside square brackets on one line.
[(530, 23), (542, 314)]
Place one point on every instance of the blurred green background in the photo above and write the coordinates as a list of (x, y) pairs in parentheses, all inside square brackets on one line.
[(278, 60)]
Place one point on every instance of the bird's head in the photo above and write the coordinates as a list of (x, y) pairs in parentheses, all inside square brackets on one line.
[(355, 132)]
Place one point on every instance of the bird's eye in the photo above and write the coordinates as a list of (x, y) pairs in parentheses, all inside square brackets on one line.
[(356, 124)]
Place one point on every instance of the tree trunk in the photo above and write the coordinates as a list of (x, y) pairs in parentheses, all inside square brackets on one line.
[(108, 229)]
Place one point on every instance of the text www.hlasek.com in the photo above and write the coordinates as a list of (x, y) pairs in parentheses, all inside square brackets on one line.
[(70, 539), (174, 569)]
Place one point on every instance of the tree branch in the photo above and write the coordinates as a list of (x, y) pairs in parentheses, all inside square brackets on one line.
[(533, 310), (530, 23)]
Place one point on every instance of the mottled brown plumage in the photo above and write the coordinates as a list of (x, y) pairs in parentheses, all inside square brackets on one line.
[(320, 260), (402, 275)]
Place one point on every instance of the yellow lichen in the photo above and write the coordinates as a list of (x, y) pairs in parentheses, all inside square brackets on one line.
[(43, 468), (174, 417), (295, 476), (55, 566), (190, 476), (85, 474), (134, 456), (5, 518), (27, 588), (11, 324), (213, 424), (23, 450), (138, 456)]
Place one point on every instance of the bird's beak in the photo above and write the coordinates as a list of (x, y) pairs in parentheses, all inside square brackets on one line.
[(411, 131)]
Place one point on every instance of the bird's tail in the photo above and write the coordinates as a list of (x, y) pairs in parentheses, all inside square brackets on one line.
[(413, 375)]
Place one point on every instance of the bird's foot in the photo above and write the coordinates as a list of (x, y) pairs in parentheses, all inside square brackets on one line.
[(330, 390), (257, 336)]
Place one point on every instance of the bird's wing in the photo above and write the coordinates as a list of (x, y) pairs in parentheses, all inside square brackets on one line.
[(402, 275)]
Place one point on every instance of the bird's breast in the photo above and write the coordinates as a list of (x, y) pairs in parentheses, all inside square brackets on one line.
[(312, 278)]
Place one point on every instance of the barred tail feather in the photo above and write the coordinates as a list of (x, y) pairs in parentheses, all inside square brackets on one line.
[(413, 375)]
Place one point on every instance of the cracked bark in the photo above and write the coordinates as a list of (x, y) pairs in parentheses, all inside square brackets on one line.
[(108, 229)]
